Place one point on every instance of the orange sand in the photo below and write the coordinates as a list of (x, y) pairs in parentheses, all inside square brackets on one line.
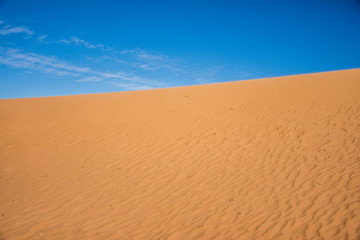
[(272, 158)]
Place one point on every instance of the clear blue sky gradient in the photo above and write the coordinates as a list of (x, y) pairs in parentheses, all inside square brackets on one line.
[(50, 48)]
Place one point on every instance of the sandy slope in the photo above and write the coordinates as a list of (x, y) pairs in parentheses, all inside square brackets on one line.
[(264, 159)]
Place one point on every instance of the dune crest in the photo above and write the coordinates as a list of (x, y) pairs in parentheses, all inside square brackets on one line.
[(271, 158)]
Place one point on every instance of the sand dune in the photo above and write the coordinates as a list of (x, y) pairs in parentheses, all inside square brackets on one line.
[(271, 158)]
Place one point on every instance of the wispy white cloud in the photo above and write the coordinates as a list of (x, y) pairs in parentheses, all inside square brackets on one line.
[(125, 76), (152, 61), (80, 42), (42, 37), (51, 65), (122, 80), (206, 75), (8, 29), (141, 61), (27, 60), (130, 69), (131, 86), (157, 62), (91, 79)]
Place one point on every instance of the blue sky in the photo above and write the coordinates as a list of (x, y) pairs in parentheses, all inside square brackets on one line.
[(50, 48)]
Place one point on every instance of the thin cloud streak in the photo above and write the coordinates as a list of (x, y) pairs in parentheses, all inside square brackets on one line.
[(120, 79), (16, 58), (91, 79), (131, 86), (8, 29), (152, 61), (42, 38), (80, 42), (51, 65)]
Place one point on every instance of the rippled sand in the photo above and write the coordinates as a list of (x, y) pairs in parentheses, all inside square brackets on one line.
[(272, 158)]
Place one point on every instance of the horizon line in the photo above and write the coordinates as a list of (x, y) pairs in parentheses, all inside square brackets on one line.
[(200, 84)]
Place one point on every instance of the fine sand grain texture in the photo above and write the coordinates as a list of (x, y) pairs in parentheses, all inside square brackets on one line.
[(274, 158)]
